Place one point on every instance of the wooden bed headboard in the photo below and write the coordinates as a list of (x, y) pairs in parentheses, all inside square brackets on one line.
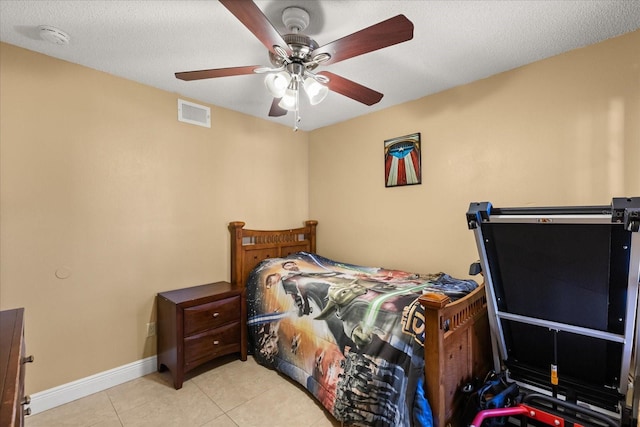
[(249, 247)]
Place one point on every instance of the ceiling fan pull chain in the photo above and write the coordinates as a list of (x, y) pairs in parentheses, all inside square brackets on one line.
[(297, 111)]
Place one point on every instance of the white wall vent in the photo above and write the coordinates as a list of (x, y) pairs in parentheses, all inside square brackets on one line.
[(195, 114)]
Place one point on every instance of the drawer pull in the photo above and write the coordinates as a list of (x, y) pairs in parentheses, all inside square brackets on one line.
[(28, 359), (26, 400), (27, 411), (216, 314), (216, 342)]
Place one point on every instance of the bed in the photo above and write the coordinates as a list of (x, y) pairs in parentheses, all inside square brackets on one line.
[(372, 372)]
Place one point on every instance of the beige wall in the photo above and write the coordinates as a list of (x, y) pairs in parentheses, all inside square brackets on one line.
[(100, 179), (563, 131)]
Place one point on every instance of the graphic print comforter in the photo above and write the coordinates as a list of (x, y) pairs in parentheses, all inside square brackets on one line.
[(352, 335)]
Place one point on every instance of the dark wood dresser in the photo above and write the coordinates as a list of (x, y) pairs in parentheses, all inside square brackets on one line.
[(199, 324), (12, 360)]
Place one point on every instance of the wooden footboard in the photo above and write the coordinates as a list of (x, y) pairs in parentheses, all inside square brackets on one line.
[(457, 349)]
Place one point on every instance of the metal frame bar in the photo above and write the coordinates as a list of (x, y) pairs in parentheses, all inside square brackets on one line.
[(634, 278), (632, 307), (564, 327), (494, 324)]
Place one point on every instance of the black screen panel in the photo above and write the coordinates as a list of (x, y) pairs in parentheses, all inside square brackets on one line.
[(556, 272)]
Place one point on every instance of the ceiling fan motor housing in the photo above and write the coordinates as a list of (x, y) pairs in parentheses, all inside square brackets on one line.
[(301, 46)]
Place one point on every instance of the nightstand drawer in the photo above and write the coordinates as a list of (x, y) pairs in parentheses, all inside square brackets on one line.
[(211, 343), (212, 315)]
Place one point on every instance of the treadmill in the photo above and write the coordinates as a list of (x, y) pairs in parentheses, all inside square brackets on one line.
[(562, 289)]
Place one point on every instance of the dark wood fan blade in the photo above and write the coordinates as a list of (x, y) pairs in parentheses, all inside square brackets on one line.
[(252, 17), (276, 110), (383, 34), (216, 72), (351, 89)]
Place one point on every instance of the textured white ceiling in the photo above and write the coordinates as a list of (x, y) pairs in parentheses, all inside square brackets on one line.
[(455, 42)]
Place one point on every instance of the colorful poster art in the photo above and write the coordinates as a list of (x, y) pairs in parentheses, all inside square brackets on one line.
[(402, 162)]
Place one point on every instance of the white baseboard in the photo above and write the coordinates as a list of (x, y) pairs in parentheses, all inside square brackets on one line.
[(83, 387)]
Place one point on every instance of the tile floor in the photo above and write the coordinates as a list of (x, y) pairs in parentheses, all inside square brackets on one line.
[(225, 393)]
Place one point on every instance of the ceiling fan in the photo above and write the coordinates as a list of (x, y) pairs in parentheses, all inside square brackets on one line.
[(295, 56)]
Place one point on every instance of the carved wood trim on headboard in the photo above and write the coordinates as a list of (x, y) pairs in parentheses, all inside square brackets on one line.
[(249, 247)]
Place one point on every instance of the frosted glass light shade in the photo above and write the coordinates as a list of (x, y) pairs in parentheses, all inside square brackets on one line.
[(289, 100), (277, 83), (315, 91)]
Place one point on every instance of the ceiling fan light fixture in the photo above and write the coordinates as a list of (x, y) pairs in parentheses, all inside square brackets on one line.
[(277, 83), (289, 100), (315, 91)]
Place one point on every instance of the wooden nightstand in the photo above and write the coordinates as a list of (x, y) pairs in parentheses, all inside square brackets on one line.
[(199, 324)]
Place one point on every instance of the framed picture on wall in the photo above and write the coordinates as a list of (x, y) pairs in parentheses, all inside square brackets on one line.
[(402, 162)]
